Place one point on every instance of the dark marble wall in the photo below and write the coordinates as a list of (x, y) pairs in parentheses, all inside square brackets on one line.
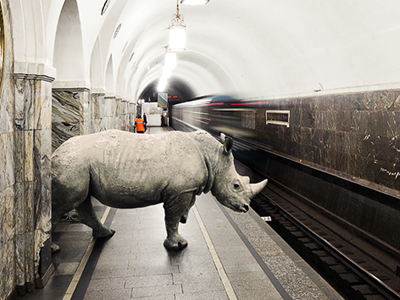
[(352, 135), (342, 152)]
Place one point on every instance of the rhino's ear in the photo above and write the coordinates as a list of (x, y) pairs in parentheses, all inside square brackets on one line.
[(228, 144), (222, 137)]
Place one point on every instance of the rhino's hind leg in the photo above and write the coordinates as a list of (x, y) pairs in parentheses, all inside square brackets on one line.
[(89, 218)]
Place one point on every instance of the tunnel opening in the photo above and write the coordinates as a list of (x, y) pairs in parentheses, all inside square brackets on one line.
[(178, 91)]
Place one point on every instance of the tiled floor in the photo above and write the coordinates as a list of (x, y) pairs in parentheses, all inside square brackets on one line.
[(135, 265)]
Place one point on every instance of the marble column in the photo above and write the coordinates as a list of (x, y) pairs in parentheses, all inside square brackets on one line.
[(108, 113), (97, 102), (71, 114), (124, 114), (33, 180), (132, 115), (118, 121)]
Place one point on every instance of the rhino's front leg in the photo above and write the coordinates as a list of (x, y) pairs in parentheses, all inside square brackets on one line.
[(185, 215), (175, 209)]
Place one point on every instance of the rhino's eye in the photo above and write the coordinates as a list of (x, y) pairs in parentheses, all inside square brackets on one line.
[(236, 186)]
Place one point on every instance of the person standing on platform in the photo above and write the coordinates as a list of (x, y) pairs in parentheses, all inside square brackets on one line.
[(145, 121), (139, 125)]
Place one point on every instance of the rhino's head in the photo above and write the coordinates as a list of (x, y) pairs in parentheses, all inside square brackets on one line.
[(231, 189)]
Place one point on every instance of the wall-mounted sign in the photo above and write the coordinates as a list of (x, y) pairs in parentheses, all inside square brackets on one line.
[(278, 117), (162, 100)]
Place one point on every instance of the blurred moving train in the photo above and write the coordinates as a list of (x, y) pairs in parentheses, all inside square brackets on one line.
[(242, 120), (217, 114), (304, 145)]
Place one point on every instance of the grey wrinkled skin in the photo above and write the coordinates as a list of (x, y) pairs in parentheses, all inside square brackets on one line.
[(127, 170)]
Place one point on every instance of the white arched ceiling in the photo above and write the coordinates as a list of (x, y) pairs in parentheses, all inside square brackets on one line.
[(259, 48)]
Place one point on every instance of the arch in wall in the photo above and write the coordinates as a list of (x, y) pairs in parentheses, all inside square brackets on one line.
[(109, 78), (96, 68), (68, 48), (30, 28)]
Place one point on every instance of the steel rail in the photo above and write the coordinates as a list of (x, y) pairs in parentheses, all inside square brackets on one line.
[(368, 277)]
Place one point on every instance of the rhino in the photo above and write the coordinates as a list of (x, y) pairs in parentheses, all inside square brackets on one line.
[(127, 170)]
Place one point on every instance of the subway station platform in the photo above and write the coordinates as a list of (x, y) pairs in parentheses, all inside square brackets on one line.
[(229, 256)]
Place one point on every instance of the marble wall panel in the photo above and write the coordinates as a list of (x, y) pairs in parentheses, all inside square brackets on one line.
[(118, 114), (354, 135), (109, 107), (46, 104), (70, 114), (108, 123), (7, 112), (97, 99), (65, 116), (20, 257), (7, 102), (7, 160), (131, 116), (118, 108), (30, 261), (72, 108), (24, 108), (7, 240), (31, 147), (7, 216), (102, 106), (123, 108), (8, 170), (104, 124), (29, 155), (42, 185), (85, 115), (7, 269)]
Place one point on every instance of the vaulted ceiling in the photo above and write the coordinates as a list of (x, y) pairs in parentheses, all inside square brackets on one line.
[(255, 48)]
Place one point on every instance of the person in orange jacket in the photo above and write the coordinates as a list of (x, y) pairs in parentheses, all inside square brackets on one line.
[(139, 124)]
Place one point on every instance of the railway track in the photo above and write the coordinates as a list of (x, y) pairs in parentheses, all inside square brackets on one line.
[(350, 270)]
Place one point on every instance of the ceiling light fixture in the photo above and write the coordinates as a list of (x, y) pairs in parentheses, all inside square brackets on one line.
[(166, 72), (170, 60), (162, 84), (177, 32), (194, 2)]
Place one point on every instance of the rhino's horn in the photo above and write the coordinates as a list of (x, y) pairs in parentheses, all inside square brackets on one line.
[(222, 137), (257, 187)]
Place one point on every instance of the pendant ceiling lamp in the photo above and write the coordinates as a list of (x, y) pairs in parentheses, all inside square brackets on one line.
[(170, 60), (166, 72), (177, 32), (162, 84)]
